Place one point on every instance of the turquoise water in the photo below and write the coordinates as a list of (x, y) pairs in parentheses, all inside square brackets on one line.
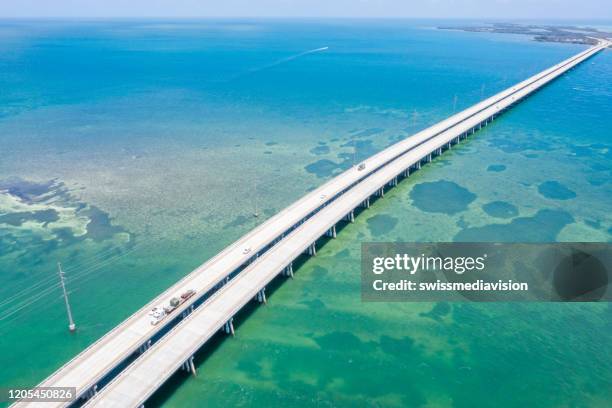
[(133, 151)]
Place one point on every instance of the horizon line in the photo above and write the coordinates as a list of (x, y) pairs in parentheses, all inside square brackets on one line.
[(221, 17)]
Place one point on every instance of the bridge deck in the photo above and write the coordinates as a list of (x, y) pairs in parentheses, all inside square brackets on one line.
[(137, 382)]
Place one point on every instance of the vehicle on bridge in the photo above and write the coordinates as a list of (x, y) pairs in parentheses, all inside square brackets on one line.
[(159, 313)]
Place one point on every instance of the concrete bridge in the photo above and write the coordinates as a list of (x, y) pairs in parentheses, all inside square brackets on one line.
[(128, 364)]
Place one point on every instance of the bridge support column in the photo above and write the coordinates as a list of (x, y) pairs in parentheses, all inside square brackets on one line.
[(380, 192), (406, 173), (228, 327), (90, 392), (189, 366), (429, 158), (288, 271), (350, 217), (393, 182), (144, 347), (418, 165), (331, 232), (312, 249), (366, 203), (261, 296), (187, 312)]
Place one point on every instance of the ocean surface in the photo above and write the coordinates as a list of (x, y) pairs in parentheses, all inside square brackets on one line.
[(133, 151)]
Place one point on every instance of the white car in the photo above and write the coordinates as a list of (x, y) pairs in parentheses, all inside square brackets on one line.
[(157, 314)]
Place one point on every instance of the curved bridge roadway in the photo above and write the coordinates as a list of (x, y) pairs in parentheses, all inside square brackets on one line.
[(268, 250)]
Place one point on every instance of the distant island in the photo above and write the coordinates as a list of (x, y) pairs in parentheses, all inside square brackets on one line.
[(544, 33)]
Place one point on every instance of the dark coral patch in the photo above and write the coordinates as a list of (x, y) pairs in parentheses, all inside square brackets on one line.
[(496, 168), (542, 227), (441, 196), (322, 168), (381, 224), (555, 191), (500, 209), (320, 150)]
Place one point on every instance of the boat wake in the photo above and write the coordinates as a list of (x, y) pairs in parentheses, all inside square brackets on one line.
[(280, 61)]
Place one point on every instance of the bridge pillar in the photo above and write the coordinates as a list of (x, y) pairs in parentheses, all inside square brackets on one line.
[(418, 165), (429, 158), (261, 296), (331, 232), (144, 347), (187, 311), (350, 217), (90, 392), (288, 271), (366, 203), (312, 249), (406, 173), (393, 182), (228, 327), (189, 366)]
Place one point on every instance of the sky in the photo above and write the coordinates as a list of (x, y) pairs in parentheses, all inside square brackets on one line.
[(499, 9)]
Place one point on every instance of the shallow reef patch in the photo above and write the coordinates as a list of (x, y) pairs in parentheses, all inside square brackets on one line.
[(500, 209), (555, 191), (542, 227), (322, 168), (381, 224), (441, 196), (496, 168)]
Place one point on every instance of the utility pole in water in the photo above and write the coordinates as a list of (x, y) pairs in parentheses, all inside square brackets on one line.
[(71, 325)]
